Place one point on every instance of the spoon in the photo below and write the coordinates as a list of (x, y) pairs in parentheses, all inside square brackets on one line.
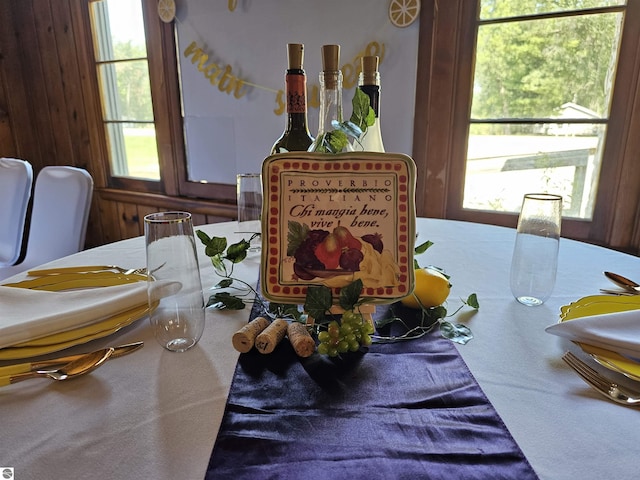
[(623, 282), (80, 366)]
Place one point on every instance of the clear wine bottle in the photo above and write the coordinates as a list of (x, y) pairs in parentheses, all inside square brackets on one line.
[(331, 138)]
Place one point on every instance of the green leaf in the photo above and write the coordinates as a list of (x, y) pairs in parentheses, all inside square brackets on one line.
[(350, 294), (335, 141), (296, 234), (318, 301), (362, 114), (472, 301), (238, 251), (224, 283), (285, 310), (224, 300), (217, 262), (455, 332), (204, 238), (423, 247), (436, 313), (215, 246)]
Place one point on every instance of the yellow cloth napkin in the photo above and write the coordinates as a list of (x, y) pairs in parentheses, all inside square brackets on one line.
[(617, 332), (29, 314)]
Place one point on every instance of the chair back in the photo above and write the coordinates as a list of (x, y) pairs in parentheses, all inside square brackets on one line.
[(61, 203), (16, 179)]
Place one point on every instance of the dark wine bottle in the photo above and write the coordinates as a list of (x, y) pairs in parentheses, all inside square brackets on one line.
[(296, 135), (369, 83)]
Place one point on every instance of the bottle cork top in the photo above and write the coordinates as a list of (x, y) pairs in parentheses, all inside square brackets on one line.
[(369, 69), (330, 58), (295, 55)]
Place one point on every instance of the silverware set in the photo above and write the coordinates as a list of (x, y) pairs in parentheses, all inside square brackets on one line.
[(602, 384), (64, 368)]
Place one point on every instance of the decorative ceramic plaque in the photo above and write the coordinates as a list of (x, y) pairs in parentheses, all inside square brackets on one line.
[(331, 219)]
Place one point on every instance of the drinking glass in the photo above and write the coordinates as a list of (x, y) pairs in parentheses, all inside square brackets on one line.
[(174, 280), (249, 191), (535, 255)]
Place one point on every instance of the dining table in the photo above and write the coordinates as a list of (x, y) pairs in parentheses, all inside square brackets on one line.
[(156, 414)]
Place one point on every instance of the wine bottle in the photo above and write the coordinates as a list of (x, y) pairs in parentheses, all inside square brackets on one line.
[(330, 137), (296, 135), (369, 83)]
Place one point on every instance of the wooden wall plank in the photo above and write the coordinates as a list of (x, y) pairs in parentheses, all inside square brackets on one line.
[(108, 219), (17, 106), (8, 146), (52, 89), (129, 220), (73, 104), (31, 53)]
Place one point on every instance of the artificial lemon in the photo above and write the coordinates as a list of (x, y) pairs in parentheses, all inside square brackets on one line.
[(432, 289)]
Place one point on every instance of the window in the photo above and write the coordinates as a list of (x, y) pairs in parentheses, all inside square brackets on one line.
[(516, 96), (135, 56), (540, 101), (123, 76)]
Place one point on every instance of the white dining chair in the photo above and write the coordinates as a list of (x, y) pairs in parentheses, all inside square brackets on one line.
[(16, 179), (61, 203)]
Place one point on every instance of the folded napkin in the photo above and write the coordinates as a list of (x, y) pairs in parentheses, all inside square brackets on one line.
[(618, 332), (30, 314)]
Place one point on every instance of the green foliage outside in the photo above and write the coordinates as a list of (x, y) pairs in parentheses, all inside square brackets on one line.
[(529, 68), (134, 93)]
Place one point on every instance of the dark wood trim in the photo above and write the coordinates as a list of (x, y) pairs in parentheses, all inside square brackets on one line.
[(616, 215), (207, 207)]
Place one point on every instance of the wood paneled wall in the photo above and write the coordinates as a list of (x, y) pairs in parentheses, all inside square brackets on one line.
[(48, 114)]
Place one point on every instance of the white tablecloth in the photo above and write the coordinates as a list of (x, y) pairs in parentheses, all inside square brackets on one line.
[(155, 414)]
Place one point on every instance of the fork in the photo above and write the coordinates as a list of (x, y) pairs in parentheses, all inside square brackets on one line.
[(87, 269), (601, 384)]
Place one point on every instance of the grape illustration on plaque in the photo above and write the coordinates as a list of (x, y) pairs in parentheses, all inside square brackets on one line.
[(332, 219)]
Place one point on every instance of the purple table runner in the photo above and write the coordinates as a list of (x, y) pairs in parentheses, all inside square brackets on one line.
[(403, 410)]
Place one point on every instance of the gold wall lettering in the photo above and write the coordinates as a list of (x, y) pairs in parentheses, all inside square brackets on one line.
[(226, 81)]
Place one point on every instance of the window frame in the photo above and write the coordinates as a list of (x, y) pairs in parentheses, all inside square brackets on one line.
[(165, 93), (442, 118)]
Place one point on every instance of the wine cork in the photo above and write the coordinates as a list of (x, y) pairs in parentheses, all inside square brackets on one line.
[(271, 336), (244, 339), (330, 58), (330, 65), (369, 69), (302, 343), (295, 55)]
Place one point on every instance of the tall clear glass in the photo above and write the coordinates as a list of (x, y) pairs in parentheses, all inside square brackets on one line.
[(535, 255), (249, 192), (174, 280)]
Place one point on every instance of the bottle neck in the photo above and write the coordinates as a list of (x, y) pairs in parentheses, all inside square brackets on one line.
[(330, 101), (372, 89), (296, 93)]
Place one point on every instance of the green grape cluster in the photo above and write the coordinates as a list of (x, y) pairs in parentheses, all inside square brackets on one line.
[(347, 335)]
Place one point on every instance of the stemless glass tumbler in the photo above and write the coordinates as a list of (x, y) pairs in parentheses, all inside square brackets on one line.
[(535, 255), (174, 280), (249, 192)]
